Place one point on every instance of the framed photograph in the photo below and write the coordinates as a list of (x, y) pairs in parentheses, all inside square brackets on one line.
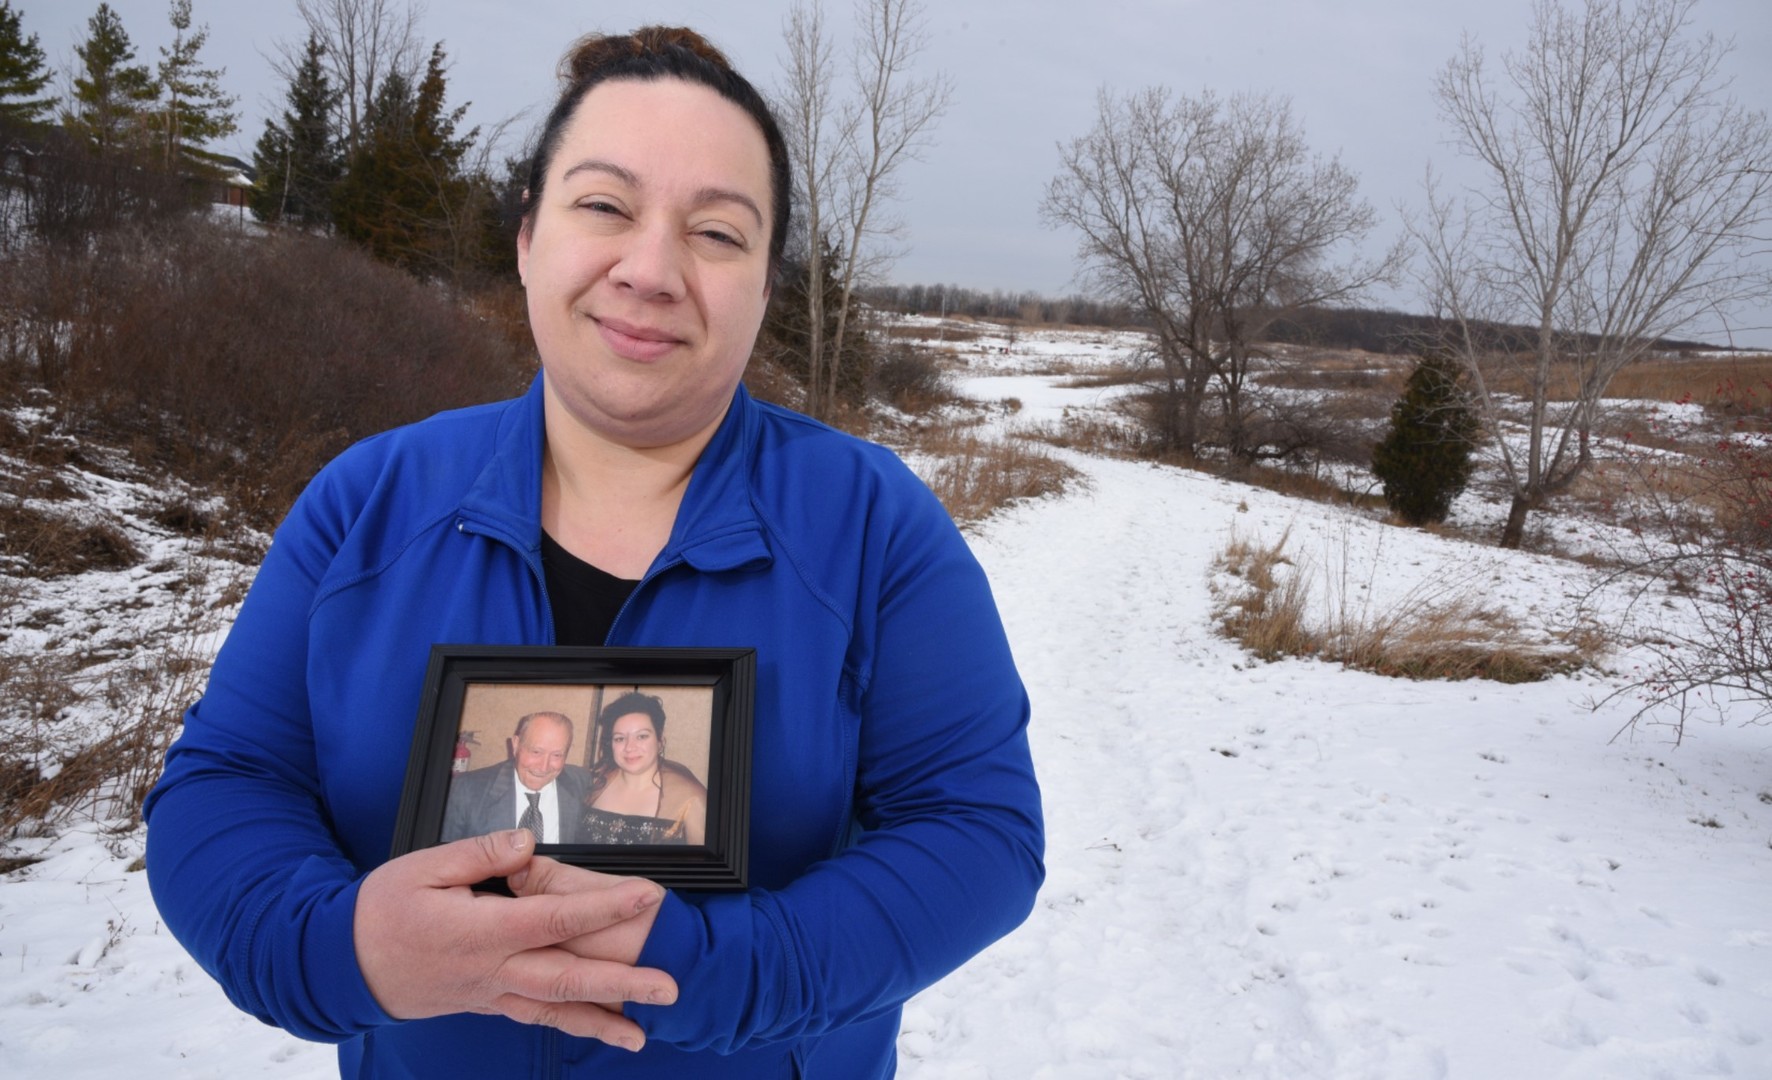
[(622, 760)]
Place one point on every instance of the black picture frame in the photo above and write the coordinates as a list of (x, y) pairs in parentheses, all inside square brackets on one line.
[(486, 685)]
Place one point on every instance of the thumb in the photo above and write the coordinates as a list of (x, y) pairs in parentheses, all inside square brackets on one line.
[(473, 860)]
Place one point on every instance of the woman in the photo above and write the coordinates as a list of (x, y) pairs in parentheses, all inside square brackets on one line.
[(636, 496), (637, 795)]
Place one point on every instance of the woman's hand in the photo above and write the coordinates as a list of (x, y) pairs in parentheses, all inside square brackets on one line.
[(619, 942), (428, 945)]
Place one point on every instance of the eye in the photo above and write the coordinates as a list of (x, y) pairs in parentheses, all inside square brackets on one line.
[(600, 206), (721, 236)]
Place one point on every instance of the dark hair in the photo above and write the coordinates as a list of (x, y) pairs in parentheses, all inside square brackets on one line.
[(648, 54), (629, 703), (523, 724)]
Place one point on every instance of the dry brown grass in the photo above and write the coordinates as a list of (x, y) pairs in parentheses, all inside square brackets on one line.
[(1100, 377), (1717, 384), (950, 331), (51, 767), (975, 477), (1319, 370), (1091, 433), (1302, 484), (1434, 632), (1267, 615), (1721, 384), (41, 543)]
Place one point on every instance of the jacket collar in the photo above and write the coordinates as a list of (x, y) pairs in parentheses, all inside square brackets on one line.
[(716, 527)]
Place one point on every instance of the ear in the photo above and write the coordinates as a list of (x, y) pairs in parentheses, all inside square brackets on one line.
[(511, 748), (523, 249)]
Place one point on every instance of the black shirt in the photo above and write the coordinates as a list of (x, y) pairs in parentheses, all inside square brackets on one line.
[(585, 599)]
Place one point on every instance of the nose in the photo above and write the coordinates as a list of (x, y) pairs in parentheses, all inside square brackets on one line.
[(651, 263)]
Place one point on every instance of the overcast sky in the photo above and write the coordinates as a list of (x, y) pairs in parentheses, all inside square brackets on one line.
[(1025, 77)]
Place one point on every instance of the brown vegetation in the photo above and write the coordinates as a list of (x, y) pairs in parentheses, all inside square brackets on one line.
[(1711, 382), (131, 701), (974, 477), (1434, 632), (244, 361)]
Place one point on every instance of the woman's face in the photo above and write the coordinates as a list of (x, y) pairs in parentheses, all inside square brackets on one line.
[(634, 743), (647, 261)]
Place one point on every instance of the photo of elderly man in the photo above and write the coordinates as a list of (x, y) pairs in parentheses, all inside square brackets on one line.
[(534, 789)]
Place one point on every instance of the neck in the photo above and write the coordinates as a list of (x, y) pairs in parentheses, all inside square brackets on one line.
[(611, 504)]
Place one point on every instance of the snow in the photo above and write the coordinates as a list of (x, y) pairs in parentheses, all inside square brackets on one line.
[(1254, 870)]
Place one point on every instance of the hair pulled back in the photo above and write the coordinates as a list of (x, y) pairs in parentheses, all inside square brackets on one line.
[(648, 54)]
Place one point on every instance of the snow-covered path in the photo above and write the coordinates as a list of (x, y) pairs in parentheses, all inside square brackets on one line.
[(1291, 870)]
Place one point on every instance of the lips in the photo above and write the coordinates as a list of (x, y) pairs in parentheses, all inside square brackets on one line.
[(635, 341)]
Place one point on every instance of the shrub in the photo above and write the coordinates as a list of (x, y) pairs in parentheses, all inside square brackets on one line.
[(1424, 461), (243, 360), (1706, 532), (910, 379)]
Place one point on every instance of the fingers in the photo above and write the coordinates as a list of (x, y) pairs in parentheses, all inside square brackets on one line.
[(555, 975), (538, 921), (545, 875), (574, 1018), (473, 860)]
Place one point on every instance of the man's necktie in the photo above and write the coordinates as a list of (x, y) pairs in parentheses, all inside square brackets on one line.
[(531, 818)]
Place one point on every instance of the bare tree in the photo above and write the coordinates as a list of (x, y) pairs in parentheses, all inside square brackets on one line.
[(1212, 219), (849, 152), (1622, 196), (365, 41), (816, 127)]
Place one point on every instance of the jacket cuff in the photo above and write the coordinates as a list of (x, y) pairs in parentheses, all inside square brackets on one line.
[(329, 959), (678, 939)]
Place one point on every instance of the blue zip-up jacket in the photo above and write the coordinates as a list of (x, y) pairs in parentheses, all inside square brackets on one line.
[(895, 819)]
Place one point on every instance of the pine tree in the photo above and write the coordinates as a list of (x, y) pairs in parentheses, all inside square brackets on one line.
[(112, 97), (195, 110), (1424, 460), (297, 159), (404, 195), (23, 75)]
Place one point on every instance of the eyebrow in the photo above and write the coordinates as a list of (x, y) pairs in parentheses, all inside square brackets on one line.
[(702, 197)]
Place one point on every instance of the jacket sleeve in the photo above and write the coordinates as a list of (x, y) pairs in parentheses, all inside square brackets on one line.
[(243, 865), (948, 856)]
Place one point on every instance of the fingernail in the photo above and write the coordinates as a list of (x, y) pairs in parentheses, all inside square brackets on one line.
[(519, 838), (661, 997), (631, 1043), (517, 880), (649, 898)]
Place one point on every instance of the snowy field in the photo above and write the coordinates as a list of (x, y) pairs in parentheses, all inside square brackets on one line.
[(1254, 870)]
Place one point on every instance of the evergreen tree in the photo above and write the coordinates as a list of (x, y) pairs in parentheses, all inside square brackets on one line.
[(1424, 460), (297, 159), (404, 195), (195, 110), (112, 97), (22, 74)]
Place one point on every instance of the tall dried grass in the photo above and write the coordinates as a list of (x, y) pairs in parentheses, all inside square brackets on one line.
[(1715, 383), (54, 766), (1440, 629), (974, 476)]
